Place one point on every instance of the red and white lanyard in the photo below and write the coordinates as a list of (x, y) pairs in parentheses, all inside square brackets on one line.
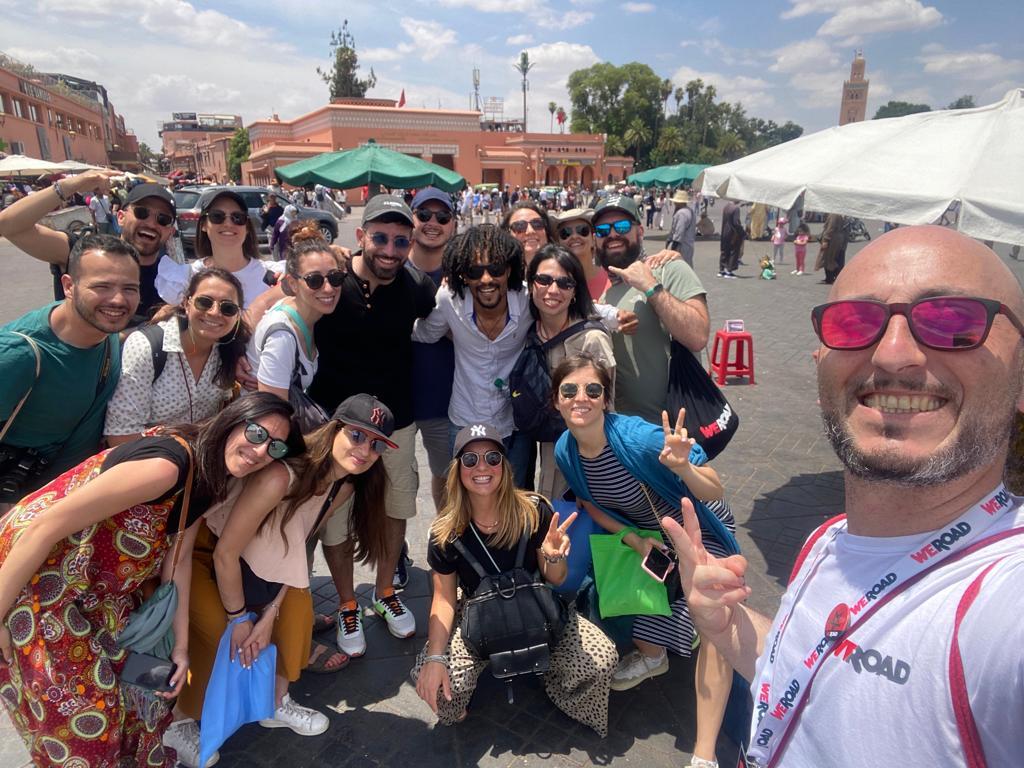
[(768, 738)]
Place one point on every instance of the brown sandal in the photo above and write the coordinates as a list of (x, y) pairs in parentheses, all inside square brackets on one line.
[(322, 622), (319, 662)]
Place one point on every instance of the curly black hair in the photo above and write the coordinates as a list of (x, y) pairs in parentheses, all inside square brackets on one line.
[(482, 241)]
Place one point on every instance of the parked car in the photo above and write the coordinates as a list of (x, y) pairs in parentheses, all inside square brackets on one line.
[(189, 202)]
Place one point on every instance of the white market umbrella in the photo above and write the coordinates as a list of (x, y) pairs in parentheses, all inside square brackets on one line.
[(20, 165), (907, 170)]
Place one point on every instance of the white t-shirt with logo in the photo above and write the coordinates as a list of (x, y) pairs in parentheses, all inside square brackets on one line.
[(883, 698)]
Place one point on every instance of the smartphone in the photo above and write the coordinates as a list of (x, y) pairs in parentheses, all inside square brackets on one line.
[(658, 564), (148, 672)]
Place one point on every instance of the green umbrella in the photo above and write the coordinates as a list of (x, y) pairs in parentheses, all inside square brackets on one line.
[(667, 175), (369, 164)]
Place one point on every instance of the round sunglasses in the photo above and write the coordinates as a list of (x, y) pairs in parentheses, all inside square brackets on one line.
[(203, 303), (545, 281), (257, 434), (358, 437), (519, 227), (425, 215), (219, 217), (583, 230), (569, 390), (316, 280), (470, 459), (622, 227)]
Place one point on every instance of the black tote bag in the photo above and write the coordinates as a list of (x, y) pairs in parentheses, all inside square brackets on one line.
[(710, 420)]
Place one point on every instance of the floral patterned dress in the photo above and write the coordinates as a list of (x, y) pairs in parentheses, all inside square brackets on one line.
[(62, 689)]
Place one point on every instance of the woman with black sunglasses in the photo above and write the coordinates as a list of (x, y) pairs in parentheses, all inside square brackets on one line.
[(488, 516), (528, 222), (574, 230), (180, 369)]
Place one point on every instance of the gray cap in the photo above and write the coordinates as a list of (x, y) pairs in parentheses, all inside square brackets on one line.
[(473, 432), (386, 205)]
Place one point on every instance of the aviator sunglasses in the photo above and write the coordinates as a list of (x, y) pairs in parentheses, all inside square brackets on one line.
[(425, 215), (142, 213), (519, 227), (545, 281), (358, 437), (218, 217), (938, 322), (470, 459), (583, 230), (315, 280), (227, 307), (569, 390), (257, 434), (621, 227)]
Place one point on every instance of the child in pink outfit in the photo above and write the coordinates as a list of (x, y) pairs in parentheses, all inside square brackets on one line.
[(803, 234), (779, 239)]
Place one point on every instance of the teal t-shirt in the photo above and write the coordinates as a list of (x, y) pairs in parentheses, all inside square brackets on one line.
[(641, 360), (63, 417)]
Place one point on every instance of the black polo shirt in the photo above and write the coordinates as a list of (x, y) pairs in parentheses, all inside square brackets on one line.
[(365, 345)]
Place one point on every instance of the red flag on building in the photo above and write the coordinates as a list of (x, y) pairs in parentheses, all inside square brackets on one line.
[(401, 99)]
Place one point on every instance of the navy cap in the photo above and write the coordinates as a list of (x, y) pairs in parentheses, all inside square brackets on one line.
[(473, 432), (432, 193), (384, 205), (142, 191), (367, 413)]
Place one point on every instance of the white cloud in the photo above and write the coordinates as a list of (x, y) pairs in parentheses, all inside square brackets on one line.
[(638, 7), (854, 20), (536, 10), (715, 50), (375, 55), (803, 56), (753, 92), (429, 38), (519, 39), (980, 64)]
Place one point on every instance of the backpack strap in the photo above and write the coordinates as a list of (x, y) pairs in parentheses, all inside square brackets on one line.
[(572, 330), (466, 555), (39, 361), (155, 336), (811, 541), (521, 551), (287, 328)]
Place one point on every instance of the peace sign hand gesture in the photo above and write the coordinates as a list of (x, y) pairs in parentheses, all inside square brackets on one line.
[(676, 453), (556, 543)]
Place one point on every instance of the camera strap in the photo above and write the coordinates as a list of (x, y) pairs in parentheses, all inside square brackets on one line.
[(39, 362)]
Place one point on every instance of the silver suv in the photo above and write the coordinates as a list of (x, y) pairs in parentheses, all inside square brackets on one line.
[(189, 202)]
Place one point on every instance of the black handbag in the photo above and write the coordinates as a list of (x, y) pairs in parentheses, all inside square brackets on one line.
[(308, 412), (710, 419), (513, 618)]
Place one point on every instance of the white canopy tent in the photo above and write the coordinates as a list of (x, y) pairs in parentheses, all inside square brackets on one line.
[(907, 170), (21, 165)]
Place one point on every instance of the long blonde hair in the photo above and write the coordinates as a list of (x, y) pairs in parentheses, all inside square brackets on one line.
[(517, 510)]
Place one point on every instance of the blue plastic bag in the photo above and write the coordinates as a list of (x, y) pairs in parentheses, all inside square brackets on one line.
[(235, 695), (579, 532)]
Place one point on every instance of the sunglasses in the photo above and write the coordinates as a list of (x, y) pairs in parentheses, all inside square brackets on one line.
[(257, 435), (142, 213), (219, 217), (545, 281), (315, 280), (476, 271), (470, 459), (227, 307), (381, 240), (424, 215), (519, 227), (358, 437), (569, 390), (583, 230), (621, 227), (939, 322)]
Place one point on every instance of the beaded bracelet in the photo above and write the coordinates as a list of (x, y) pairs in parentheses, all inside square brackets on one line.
[(440, 658)]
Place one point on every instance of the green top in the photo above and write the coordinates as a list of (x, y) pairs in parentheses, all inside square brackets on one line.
[(64, 414), (641, 360)]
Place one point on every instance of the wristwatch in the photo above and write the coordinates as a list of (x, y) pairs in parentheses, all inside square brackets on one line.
[(654, 289)]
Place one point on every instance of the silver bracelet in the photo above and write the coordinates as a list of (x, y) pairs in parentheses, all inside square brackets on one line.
[(60, 192), (440, 658), (553, 560)]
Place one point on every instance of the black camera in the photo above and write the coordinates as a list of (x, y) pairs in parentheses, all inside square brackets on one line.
[(19, 470)]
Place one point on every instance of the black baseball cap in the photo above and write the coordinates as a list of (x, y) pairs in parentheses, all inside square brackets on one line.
[(386, 205), (473, 432), (225, 193), (141, 191), (368, 413), (617, 202)]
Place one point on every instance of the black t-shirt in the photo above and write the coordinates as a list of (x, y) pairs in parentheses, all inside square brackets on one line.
[(162, 447), (365, 345), (448, 560)]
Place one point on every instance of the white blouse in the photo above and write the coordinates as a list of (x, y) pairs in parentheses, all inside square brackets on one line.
[(172, 278)]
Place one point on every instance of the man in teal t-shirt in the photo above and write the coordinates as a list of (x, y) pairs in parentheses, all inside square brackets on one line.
[(669, 302), (80, 359)]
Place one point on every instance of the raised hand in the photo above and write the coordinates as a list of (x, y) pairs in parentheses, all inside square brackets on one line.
[(637, 275), (713, 586), (676, 453), (556, 542)]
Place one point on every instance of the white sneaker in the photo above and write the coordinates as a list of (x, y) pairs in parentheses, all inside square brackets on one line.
[(350, 637), (401, 623), (303, 720), (800, 272), (635, 668), (795, 272), (183, 737), (700, 762)]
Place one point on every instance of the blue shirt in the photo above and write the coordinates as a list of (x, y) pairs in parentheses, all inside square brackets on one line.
[(433, 370)]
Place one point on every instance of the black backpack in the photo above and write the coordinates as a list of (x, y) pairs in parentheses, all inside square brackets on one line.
[(155, 336), (530, 385)]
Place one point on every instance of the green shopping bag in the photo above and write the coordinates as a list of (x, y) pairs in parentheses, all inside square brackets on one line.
[(623, 587)]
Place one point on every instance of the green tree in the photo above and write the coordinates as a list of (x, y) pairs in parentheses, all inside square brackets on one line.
[(964, 102), (552, 107), (341, 78), (670, 148), (731, 146), (899, 109), (3, 145), (636, 136), (238, 153), (147, 156), (613, 146)]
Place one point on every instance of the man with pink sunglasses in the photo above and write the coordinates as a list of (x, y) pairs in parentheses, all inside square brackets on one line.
[(898, 640)]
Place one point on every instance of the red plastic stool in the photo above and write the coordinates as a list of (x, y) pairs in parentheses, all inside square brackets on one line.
[(741, 363)]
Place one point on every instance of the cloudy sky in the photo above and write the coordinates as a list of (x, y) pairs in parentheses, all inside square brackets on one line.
[(783, 59)]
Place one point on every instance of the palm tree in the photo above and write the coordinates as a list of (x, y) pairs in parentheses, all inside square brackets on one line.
[(731, 146), (671, 144), (666, 91), (636, 135), (551, 108), (679, 95), (613, 146)]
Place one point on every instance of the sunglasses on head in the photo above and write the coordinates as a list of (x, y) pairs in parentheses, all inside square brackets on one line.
[(142, 213), (545, 281), (227, 307), (381, 240), (358, 437), (315, 280), (219, 217), (938, 322), (476, 271), (583, 230), (257, 434), (519, 227), (425, 215), (621, 227), (569, 390), (470, 459)]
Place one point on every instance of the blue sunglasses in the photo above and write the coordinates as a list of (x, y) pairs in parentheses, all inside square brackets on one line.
[(621, 227)]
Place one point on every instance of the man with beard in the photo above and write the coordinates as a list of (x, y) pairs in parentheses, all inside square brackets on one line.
[(669, 301), (53, 404), (919, 378), (146, 221), (365, 346)]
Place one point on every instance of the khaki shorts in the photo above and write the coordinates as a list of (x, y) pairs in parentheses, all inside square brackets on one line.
[(403, 484)]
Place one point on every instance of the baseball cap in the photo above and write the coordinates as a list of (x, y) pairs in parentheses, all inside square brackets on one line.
[(383, 205), (427, 194), (618, 202), (368, 413), (225, 193), (142, 191), (473, 432)]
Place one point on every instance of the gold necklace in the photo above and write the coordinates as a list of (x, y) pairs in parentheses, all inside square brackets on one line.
[(486, 525)]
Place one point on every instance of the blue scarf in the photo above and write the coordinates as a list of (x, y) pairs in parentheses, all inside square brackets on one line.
[(636, 444)]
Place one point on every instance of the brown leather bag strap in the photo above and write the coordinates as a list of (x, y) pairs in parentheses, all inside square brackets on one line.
[(183, 516)]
